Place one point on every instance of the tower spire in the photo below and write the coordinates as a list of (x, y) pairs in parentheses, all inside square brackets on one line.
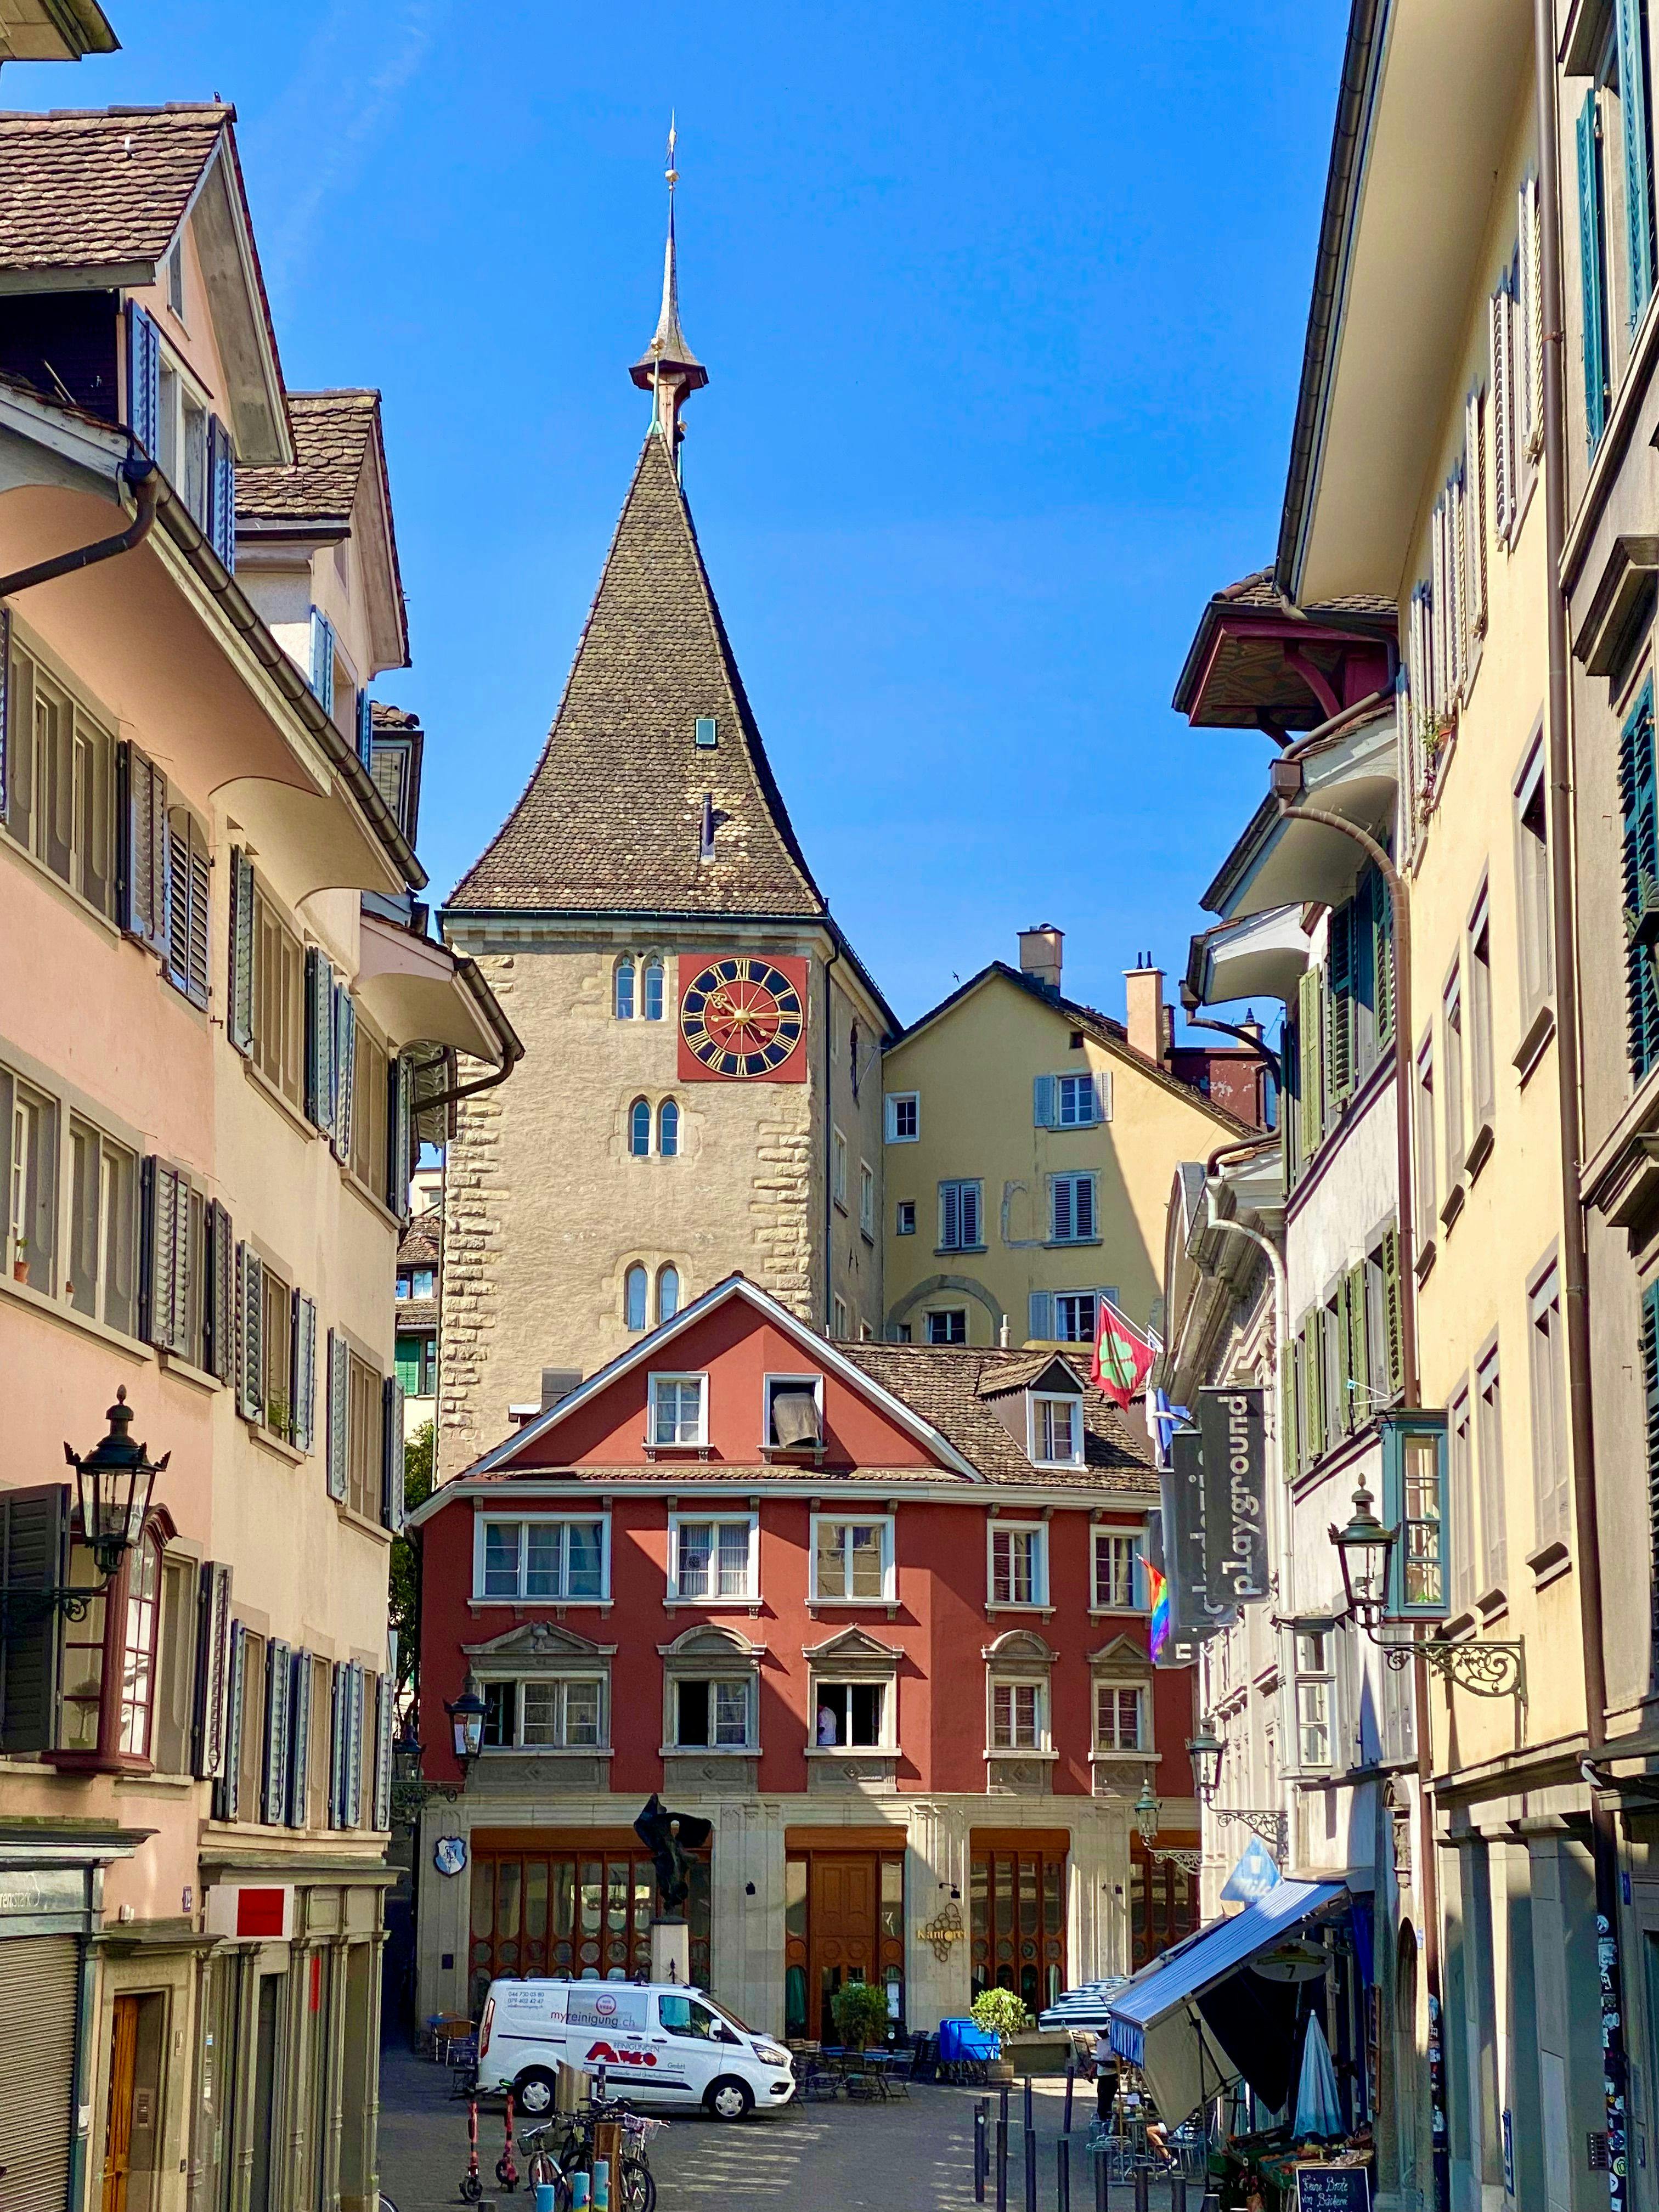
[(668, 369)]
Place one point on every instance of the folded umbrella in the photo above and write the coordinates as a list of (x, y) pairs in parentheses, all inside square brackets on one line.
[(1318, 2106)]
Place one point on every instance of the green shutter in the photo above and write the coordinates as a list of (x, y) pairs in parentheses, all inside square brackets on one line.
[(1638, 154), (1592, 232), (1639, 802), (1289, 1377), (1359, 1394), (1290, 1103), (1310, 1030), (1383, 958), (1313, 1382), (1340, 1004), (1393, 1312)]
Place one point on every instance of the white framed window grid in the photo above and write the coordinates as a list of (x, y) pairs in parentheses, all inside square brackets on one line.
[(1056, 1429), (714, 1713), (1120, 1716), (904, 1117), (677, 1411), (853, 1716), (712, 1558), (1019, 1715), (542, 1559), (1118, 1571), (852, 1559), (565, 1713), (774, 1387), (1315, 1690), (1017, 1553)]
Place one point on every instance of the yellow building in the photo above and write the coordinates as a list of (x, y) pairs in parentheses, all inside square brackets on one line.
[(1030, 1146)]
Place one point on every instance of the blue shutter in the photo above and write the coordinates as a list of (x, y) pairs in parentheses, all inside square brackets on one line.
[(299, 1756), (1042, 1102), (322, 660), (365, 728), (1591, 232), (1638, 158), (320, 1039), (970, 1235), (950, 1216), (339, 1415), (346, 1070), (222, 493), (143, 377), (1083, 1205), (1042, 1316), (1060, 1226)]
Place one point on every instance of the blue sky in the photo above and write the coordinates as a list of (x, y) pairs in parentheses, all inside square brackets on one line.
[(1003, 308)]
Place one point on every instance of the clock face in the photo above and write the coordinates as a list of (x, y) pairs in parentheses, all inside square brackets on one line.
[(742, 1018)]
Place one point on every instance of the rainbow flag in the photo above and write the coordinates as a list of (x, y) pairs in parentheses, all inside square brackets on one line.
[(1157, 1588)]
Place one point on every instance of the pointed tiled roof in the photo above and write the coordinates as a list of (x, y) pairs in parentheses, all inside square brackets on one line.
[(613, 819), (82, 188)]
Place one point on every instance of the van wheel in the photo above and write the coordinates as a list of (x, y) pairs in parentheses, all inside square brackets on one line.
[(534, 2091), (728, 2099)]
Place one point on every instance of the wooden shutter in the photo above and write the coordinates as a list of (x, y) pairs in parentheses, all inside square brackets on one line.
[(207, 1727), (279, 1685), (1313, 1384), (250, 1333), (1383, 959), (219, 1303), (1358, 1349), (34, 1540), (1639, 181), (1042, 1102), (1531, 245), (366, 730), (1592, 230), (354, 1776), (164, 1285), (1083, 1205), (400, 1114), (1310, 1029), (1340, 1002), (1103, 1095), (391, 1454), (1640, 804), (339, 1409), (1393, 1313), (1497, 350), (227, 1789), (222, 493), (950, 1216), (1438, 597), (381, 1813), (304, 1393), (143, 378), (338, 1741), (320, 1039), (322, 660), (1457, 560), (299, 1750), (1059, 1190), (240, 1017), (346, 1070), (1474, 515), (1040, 1323), (141, 848), (970, 1229), (1290, 1377)]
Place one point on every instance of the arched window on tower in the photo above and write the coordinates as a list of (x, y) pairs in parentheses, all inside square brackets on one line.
[(668, 1129), (639, 1128), (652, 1007), (633, 1292), (668, 1293), (624, 1002)]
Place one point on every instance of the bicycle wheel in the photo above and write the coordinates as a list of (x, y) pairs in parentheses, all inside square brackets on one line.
[(636, 2186)]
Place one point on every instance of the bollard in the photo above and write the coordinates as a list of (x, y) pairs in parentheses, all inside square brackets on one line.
[(1102, 2203), (1177, 2192), (1027, 2103), (1031, 2168), (578, 2201), (1143, 2188), (1063, 2175), (1002, 2152), (1212, 2201), (543, 2197), (981, 2114), (1071, 2084), (601, 2184)]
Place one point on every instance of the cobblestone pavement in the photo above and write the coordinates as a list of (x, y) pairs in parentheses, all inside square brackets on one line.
[(914, 2156)]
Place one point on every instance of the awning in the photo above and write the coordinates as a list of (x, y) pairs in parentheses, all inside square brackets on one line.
[(1084, 2011), (1157, 2023)]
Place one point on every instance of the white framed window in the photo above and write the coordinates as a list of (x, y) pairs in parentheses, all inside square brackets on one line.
[(904, 1218), (1072, 1209), (1077, 1316), (961, 1210), (946, 1325), (903, 1117), (793, 1415), (651, 990), (679, 1409), (852, 1716), (1018, 1551), (841, 1321), (866, 1198), (1077, 1103), (1120, 1577), (622, 983), (1120, 1716), (563, 1712), (636, 1287), (32, 1183), (544, 1558), (639, 1128), (1315, 1696), (668, 1293), (838, 1169), (1056, 1429), (852, 1559), (60, 798), (1019, 1716), (668, 1129), (712, 1558), (714, 1713)]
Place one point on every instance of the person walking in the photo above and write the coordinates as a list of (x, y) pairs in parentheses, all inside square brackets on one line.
[(1105, 2077)]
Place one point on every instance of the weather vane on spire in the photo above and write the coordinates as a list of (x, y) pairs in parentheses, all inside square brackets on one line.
[(668, 369)]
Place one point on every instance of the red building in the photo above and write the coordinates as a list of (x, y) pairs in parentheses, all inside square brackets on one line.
[(876, 1611)]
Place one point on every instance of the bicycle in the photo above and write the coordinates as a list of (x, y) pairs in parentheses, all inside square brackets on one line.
[(634, 2185)]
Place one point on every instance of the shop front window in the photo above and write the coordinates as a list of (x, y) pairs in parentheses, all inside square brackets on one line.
[(583, 1915), (1016, 1921)]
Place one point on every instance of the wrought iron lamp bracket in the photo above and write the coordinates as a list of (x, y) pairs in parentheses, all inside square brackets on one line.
[(22, 1609), (1484, 1667), (1269, 1826), (1188, 1861)]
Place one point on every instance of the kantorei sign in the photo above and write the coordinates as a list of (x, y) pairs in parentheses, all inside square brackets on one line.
[(1233, 1450)]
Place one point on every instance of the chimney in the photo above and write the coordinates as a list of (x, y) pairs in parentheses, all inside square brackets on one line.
[(1039, 956), (558, 1383), (1143, 993)]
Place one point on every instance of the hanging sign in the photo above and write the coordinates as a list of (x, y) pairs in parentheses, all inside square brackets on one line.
[(1232, 1447), (1193, 1617), (1253, 1877)]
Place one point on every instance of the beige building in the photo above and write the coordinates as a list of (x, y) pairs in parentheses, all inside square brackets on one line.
[(706, 1086), (1029, 1146), (209, 1062)]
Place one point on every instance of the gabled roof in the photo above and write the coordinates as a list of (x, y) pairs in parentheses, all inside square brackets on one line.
[(90, 189), (613, 819), (1101, 1027), (332, 433)]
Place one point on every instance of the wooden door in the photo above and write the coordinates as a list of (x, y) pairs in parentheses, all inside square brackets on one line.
[(843, 1920), (118, 2129)]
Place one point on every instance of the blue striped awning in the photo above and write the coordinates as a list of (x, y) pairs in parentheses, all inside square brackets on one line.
[(1208, 1958)]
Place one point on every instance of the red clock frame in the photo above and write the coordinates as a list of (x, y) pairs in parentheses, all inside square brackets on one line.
[(742, 1017)]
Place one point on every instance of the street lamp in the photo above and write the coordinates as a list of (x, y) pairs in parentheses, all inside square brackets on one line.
[(1206, 1751), (1364, 1547), (1147, 1810), (114, 1481), (467, 1713)]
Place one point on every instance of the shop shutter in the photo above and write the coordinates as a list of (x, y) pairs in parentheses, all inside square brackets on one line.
[(250, 1333), (391, 1454), (381, 1814), (304, 1392), (240, 1020), (141, 848), (213, 1625), (40, 2010), (227, 1788), (299, 1751), (279, 1689), (320, 1039), (345, 1070), (339, 1412), (143, 378), (35, 1524), (1592, 230)]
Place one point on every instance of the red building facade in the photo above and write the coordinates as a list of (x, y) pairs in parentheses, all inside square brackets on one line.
[(878, 1612)]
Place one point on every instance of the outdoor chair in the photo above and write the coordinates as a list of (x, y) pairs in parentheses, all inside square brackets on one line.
[(864, 2077), (924, 2057), (898, 2071), (817, 2078)]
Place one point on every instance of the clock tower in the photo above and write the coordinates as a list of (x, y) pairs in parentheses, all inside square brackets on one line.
[(700, 1090)]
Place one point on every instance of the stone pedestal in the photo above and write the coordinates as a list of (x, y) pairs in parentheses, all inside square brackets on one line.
[(671, 1951)]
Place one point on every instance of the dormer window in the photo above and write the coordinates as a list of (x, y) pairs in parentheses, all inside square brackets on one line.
[(795, 1412), (1056, 1430)]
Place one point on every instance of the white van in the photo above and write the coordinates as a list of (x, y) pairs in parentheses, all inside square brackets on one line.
[(659, 2043)]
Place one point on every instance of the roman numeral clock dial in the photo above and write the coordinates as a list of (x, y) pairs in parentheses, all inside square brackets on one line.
[(742, 1018)]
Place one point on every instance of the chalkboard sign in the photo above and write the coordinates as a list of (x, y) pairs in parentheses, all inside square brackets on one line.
[(1334, 2188)]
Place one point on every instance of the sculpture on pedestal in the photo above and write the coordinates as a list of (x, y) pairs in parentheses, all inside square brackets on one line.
[(670, 1838)]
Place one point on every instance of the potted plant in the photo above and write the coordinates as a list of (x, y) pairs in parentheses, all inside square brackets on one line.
[(277, 1417), (20, 1262), (860, 2013), (1000, 2013)]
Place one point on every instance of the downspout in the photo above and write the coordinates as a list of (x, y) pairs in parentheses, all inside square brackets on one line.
[(1575, 1271), (145, 478), (829, 1141)]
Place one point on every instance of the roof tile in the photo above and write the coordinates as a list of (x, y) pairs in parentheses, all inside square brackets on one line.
[(332, 436), (78, 190)]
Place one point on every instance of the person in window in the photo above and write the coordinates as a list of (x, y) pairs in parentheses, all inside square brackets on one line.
[(827, 1728)]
